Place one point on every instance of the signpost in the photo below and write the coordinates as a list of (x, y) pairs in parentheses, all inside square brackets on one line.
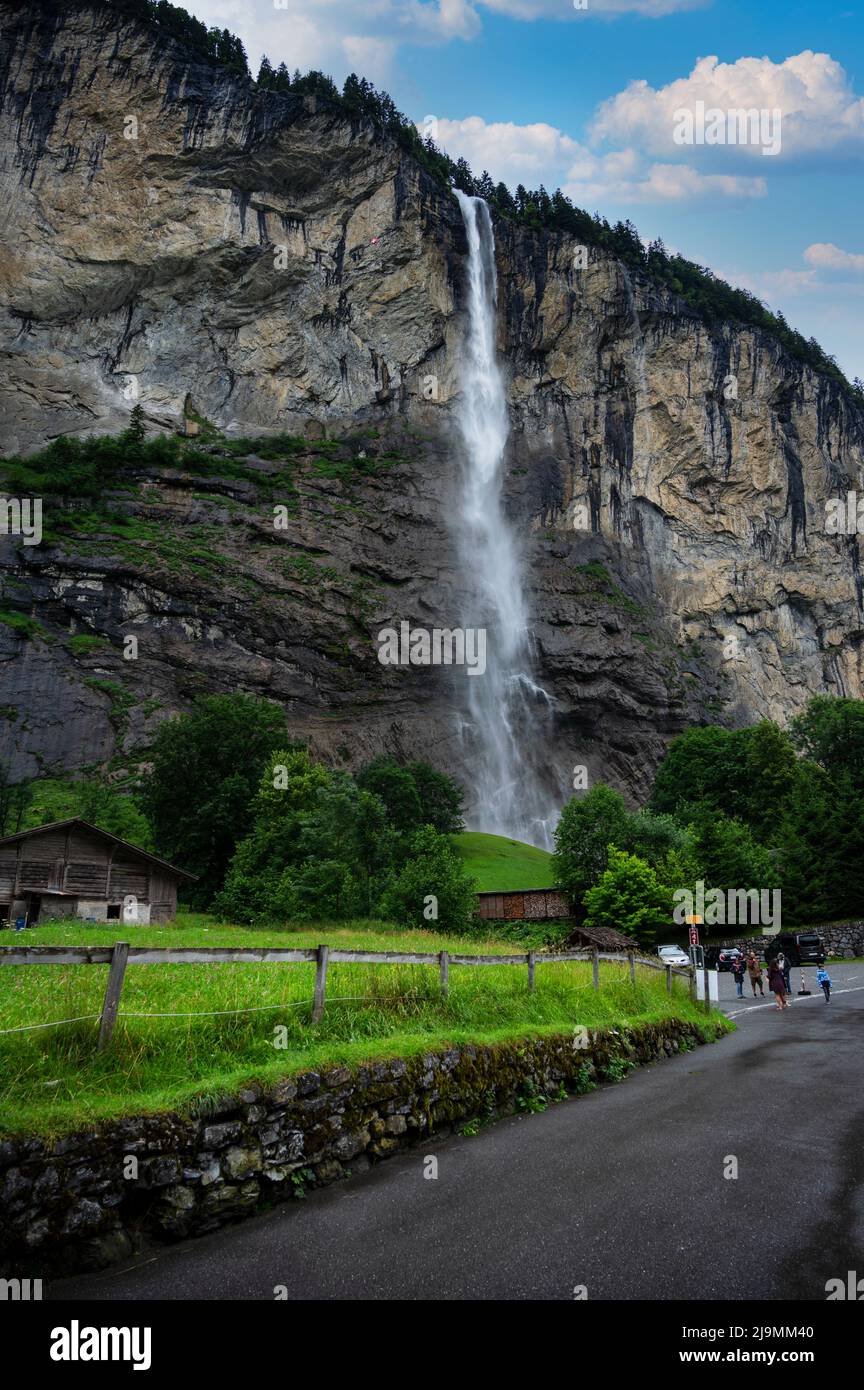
[(697, 952), (706, 980)]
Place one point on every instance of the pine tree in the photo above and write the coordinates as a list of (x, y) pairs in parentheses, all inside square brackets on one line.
[(136, 430)]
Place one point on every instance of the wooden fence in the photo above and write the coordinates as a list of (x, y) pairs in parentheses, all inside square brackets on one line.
[(122, 954)]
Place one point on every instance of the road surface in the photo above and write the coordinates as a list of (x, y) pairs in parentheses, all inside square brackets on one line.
[(621, 1192)]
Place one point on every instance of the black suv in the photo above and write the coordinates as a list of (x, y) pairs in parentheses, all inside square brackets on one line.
[(721, 957), (799, 948)]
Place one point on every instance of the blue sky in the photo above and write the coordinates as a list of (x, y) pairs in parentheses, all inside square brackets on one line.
[(538, 91)]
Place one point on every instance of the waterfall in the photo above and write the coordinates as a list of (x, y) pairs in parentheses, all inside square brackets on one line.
[(506, 721)]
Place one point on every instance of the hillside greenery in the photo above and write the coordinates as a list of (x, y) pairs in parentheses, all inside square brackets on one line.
[(499, 864), (760, 807)]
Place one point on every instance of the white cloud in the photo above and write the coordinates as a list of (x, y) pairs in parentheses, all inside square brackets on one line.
[(607, 9), (660, 183), (337, 36), (540, 153), (530, 154), (369, 56), (819, 301), (824, 255), (819, 110)]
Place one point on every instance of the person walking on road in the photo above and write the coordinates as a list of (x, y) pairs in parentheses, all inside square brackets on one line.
[(776, 983), (754, 970), (786, 966), (738, 972), (824, 979)]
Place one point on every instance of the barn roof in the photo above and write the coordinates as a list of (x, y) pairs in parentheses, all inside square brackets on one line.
[(604, 938), (106, 835)]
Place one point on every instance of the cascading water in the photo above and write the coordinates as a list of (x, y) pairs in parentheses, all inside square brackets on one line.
[(507, 715)]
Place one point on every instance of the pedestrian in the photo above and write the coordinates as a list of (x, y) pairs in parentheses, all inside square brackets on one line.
[(776, 983), (754, 970), (786, 966), (738, 972), (824, 979)]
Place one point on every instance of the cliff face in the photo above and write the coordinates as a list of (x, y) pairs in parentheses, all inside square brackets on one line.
[(274, 268)]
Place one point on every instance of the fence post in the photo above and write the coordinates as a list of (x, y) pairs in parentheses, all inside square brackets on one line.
[(596, 964), (320, 983), (693, 984), (530, 972), (705, 986), (668, 979), (113, 989), (444, 968), (632, 967)]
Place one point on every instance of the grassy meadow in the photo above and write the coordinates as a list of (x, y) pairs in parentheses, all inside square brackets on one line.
[(167, 1052), (501, 865)]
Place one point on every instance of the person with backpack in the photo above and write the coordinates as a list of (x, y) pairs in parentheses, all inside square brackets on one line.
[(824, 979)]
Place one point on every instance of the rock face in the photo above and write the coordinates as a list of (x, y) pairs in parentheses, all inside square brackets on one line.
[(176, 238)]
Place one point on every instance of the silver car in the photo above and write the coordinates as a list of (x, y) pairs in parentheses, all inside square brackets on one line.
[(672, 955)]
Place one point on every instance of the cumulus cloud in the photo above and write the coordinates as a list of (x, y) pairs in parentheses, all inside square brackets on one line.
[(819, 110), (834, 275), (824, 255), (335, 36), (529, 154), (604, 9), (659, 183), (540, 153)]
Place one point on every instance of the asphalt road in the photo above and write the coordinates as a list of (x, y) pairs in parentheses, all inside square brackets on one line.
[(621, 1191)]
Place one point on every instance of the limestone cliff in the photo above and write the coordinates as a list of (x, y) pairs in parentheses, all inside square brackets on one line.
[(174, 237)]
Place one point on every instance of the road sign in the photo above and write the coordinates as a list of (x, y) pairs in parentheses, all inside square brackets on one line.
[(694, 936)]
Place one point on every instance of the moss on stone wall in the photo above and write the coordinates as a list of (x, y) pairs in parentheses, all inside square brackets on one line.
[(88, 1199)]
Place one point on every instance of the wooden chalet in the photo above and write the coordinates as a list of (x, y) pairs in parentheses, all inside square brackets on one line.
[(71, 868)]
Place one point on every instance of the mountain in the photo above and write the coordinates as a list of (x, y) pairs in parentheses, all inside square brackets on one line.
[(262, 265)]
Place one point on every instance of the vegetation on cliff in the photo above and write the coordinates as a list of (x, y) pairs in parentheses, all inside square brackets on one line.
[(706, 294)]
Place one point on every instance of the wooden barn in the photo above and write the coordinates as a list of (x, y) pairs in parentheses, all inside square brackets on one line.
[(73, 869)]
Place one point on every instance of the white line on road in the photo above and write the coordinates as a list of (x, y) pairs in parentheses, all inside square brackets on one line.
[(753, 1007)]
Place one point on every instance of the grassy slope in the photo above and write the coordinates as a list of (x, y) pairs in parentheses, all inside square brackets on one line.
[(54, 1080), (499, 864)]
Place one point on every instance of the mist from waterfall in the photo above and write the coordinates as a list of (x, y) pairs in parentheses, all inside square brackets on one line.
[(508, 716)]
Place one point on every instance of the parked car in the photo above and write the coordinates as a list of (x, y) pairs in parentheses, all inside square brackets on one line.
[(799, 948), (673, 955), (722, 958)]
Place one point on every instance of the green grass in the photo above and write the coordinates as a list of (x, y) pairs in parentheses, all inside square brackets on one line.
[(54, 1080), (22, 625), (499, 864), (84, 644)]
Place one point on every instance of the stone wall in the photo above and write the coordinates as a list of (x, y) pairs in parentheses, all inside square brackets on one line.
[(842, 939), (87, 1199)]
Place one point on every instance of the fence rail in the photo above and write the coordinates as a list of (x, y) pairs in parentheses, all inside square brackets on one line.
[(122, 954)]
